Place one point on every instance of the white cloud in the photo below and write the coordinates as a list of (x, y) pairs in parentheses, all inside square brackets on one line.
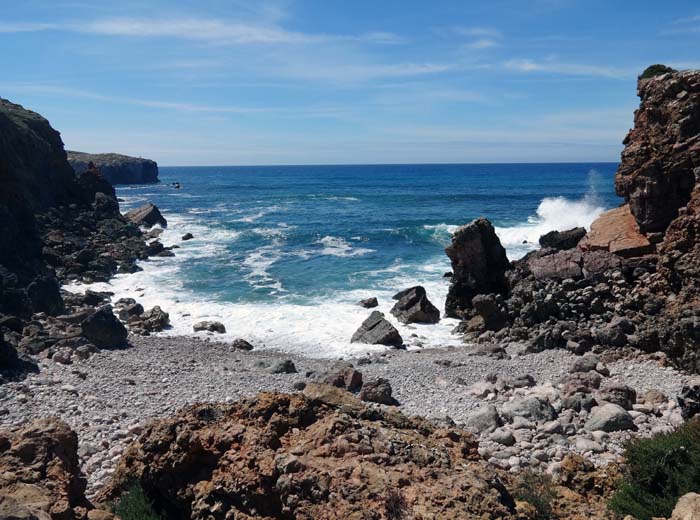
[(208, 30), (570, 69), (482, 43)]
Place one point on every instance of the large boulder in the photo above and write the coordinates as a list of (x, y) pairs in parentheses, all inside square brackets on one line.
[(40, 474), (148, 216), (609, 418), (116, 168), (319, 454), (617, 231), (377, 330), (563, 239), (103, 329), (479, 264), (45, 295), (557, 266), (413, 306), (209, 326)]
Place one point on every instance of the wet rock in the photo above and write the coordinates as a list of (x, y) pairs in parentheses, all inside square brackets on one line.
[(103, 329), (413, 306), (209, 326), (376, 330), (562, 240), (368, 303), (187, 236), (147, 216), (479, 264)]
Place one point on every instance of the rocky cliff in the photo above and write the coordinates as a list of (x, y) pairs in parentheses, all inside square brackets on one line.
[(116, 168)]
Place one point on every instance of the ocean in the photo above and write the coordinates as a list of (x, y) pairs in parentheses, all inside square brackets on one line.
[(281, 254)]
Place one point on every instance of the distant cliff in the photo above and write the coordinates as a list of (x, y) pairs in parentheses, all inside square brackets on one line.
[(116, 168)]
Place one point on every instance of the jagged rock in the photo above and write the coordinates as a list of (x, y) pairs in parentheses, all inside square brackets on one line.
[(342, 375), (147, 216), (479, 263), (116, 168), (290, 456), (378, 391), (368, 303), (103, 329), (413, 306), (12, 366), (617, 231), (490, 308), (40, 473), (209, 326), (609, 418), (563, 239), (376, 330)]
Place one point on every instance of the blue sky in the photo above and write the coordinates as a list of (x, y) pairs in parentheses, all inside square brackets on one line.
[(212, 82)]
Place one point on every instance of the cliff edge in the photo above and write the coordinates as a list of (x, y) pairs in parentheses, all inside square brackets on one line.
[(116, 168)]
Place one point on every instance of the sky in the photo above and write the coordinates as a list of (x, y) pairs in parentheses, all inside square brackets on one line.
[(234, 82)]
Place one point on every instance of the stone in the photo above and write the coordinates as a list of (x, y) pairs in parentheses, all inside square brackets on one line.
[(147, 216), (342, 375), (413, 306), (689, 398), (687, 507), (45, 295), (584, 445), (209, 326), (556, 266), (617, 231), (187, 236), (479, 264), (378, 391), (609, 418), (103, 329), (241, 344), (376, 330), (532, 407), (368, 303), (502, 436), (490, 308), (484, 420), (562, 240), (617, 393), (283, 367), (585, 363)]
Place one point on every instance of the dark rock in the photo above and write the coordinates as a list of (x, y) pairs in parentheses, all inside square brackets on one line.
[(241, 344), (413, 306), (479, 263), (45, 295), (116, 168), (283, 367), (378, 391), (689, 399), (147, 216), (343, 375), (209, 326), (617, 393), (93, 298), (557, 266), (368, 303), (103, 329), (490, 308), (563, 239), (376, 330), (135, 309), (187, 236)]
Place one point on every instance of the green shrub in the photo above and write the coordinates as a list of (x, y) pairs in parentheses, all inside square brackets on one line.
[(135, 505), (655, 70), (659, 470), (537, 490)]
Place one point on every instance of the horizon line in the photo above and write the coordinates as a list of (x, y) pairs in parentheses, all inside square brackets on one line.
[(381, 164)]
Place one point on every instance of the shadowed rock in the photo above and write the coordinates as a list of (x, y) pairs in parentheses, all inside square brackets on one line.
[(563, 239), (376, 330), (413, 306), (103, 329), (147, 216)]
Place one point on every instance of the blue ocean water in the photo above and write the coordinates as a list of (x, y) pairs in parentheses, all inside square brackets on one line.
[(275, 247)]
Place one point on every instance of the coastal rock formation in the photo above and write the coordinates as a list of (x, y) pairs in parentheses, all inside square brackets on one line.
[(413, 306), (563, 239), (319, 455), (377, 330), (116, 168), (147, 216), (662, 152), (103, 328), (617, 231), (39, 474), (479, 264)]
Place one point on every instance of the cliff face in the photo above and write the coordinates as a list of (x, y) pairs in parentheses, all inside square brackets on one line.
[(117, 169), (661, 158)]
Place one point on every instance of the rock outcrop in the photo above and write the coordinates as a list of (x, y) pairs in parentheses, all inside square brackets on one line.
[(617, 231), (116, 168), (479, 264), (413, 306), (377, 330), (563, 239), (40, 475), (148, 216), (318, 455)]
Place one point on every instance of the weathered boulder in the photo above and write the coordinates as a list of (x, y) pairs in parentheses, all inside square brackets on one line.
[(413, 306), (479, 263), (147, 216), (209, 326), (377, 330), (241, 344), (557, 266), (320, 454), (342, 375), (531, 407), (378, 391), (687, 507), (617, 231), (40, 473), (563, 239), (617, 393), (116, 168), (484, 420), (103, 329), (609, 418), (490, 309)]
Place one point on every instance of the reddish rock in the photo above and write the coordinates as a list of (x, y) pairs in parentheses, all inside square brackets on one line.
[(616, 231)]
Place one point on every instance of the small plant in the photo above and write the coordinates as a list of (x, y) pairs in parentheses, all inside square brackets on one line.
[(537, 490), (655, 70), (659, 470), (395, 505), (135, 505)]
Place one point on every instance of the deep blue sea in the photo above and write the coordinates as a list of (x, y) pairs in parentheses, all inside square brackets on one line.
[(281, 254)]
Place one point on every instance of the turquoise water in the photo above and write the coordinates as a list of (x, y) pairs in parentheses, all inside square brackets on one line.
[(306, 240)]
